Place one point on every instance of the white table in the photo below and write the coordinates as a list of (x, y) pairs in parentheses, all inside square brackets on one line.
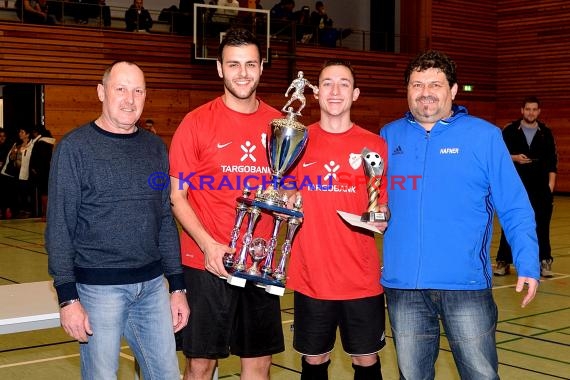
[(28, 306)]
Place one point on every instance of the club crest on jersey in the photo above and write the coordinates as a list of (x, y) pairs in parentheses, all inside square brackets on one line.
[(355, 160)]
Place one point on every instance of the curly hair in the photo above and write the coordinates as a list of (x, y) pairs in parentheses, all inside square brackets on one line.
[(432, 59)]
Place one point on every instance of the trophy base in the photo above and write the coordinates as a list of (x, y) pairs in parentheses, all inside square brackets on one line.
[(275, 290), (269, 206), (271, 285), (373, 216), (236, 280)]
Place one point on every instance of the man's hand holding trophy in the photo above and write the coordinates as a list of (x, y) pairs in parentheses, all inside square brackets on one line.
[(287, 141), (376, 216)]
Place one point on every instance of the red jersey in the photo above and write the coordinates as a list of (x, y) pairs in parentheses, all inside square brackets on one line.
[(217, 152), (330, 259)]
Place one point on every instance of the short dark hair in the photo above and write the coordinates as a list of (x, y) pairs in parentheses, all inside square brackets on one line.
[(109, 68), (238, 37), (432, 59), (339, 62), (530, 99)]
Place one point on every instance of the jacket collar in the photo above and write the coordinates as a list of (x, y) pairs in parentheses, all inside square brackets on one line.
[(457, 112)]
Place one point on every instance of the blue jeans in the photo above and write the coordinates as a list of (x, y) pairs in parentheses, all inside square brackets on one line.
[(469, 319), (141, 313)]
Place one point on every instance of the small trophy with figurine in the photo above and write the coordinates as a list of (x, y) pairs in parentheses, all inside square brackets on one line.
[(373, 169), (287, 141)]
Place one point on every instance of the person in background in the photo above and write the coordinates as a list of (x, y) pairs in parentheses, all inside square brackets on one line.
[(184, 19), (225, 15), (85, 9), (533, 150), (39, 167), (304, 28), (319, 17), (137, 18), (4, 147), (282, 11), (225, 319), (34, 12), (111, 238), (16, 173), (103, 12), (323, 24), (437, 265), (325, 297), (149, 126), (281, 16), (10, 175)]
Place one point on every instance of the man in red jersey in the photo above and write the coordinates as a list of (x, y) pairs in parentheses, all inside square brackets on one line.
[(217, 148), (335, 268)]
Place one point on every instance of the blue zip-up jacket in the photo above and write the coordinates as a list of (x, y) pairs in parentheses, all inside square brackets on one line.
[(444, 188)]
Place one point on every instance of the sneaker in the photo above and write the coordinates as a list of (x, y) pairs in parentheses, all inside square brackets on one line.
[(546, 268), (502, 268)]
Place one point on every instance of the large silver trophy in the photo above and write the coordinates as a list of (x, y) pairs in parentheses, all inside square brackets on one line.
[(286, 143), (373, 169)]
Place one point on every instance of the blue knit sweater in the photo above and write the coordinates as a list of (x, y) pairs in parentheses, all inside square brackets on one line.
[(108, 221)]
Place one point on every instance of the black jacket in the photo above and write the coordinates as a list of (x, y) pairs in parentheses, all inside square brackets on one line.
[(542, 151)]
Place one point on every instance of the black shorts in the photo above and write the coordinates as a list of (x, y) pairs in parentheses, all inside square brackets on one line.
[(361, 323), (227, 319)]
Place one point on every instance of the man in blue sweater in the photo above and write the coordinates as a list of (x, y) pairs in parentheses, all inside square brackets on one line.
[(111, 238), (436, 248)]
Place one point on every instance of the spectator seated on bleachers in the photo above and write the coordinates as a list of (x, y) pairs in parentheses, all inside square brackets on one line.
[(83, 10), (281, 16), (225, 15), (184, 20), (327, 34), (168, 14), (34, 12), (303, 24), (137, 18)]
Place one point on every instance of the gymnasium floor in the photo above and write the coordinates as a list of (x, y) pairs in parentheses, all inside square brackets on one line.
[(533, 343)]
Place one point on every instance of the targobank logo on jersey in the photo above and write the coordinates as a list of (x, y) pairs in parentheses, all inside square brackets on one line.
[(247, 157), (248, 149), (334, 178)]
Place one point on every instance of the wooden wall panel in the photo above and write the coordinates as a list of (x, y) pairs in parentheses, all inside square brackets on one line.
[(466, 32)]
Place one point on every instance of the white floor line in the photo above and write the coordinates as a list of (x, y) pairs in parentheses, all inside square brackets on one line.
[(129, 357), (38, 361)]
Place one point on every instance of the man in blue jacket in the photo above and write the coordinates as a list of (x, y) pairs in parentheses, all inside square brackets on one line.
[(453, 172)]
